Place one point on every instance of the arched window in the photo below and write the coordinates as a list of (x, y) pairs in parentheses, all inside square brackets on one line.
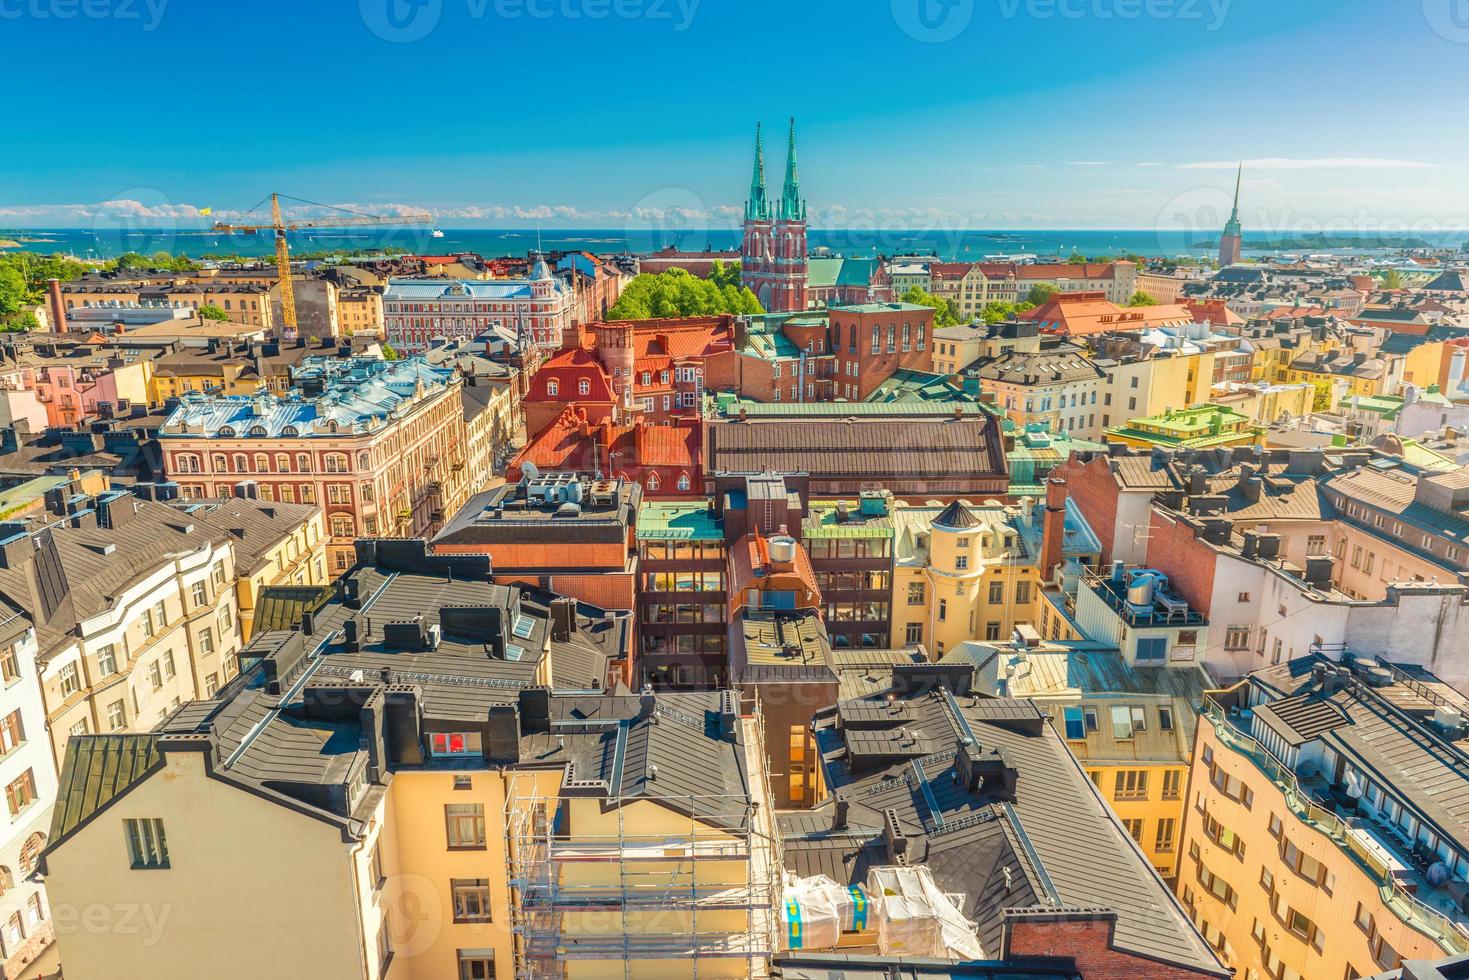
[(283, 462), (242, 465), (303, 462), (220, 463), (364, 461), (226, 304), (583, 387), (336, 462), (683, 481), (341, 526), (7, 878), (652, 481), (262, 463), (552, 389), (30, 853)]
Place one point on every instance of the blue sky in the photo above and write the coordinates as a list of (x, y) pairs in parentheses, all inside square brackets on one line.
[(610, 113)]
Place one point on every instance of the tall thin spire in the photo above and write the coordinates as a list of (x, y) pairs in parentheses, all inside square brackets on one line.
[(1232, 226), (792, 208), (757, 206)]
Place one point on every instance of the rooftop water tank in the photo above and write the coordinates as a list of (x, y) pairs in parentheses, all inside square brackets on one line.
[(783, 549)]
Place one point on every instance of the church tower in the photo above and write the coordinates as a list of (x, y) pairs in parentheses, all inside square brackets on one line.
[(1231, 241), (773, 252), (790, 236), (757, 249)]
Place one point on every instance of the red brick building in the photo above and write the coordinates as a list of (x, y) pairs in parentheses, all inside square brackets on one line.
[(646, 370), (663, 459), (820, 356)]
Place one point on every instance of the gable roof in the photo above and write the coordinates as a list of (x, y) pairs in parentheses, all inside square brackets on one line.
[(98, 770)]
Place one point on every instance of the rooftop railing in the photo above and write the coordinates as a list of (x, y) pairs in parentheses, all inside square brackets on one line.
[(1450, 934)]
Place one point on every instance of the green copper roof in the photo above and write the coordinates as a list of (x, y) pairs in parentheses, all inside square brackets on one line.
[(840, 272), (677, 521), (757, 207), (792, 207), (97, 770)]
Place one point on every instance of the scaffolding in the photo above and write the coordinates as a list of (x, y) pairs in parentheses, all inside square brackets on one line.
[(618, 897)]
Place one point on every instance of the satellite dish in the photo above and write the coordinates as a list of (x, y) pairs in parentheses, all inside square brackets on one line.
[(530, 471)]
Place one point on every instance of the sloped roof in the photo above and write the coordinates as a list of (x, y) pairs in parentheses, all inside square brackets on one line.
[(98, 769), (956, 515)]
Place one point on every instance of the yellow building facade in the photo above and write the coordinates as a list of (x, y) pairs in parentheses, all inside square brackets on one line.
[(1297, 864)]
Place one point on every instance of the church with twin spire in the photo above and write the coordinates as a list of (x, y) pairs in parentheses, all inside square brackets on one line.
[(773, 258)]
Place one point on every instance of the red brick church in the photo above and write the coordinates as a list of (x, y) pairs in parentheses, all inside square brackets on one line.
[(773, 255)]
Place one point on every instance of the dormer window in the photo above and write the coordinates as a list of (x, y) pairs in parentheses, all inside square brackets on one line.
[(451, 744), (552, 389), (584, 387)]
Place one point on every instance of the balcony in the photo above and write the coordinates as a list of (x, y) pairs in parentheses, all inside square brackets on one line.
[(1387, 861), (1149, 607)]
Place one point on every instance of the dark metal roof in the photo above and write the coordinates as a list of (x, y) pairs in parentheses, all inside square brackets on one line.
[(98, 769), (1057, 836)]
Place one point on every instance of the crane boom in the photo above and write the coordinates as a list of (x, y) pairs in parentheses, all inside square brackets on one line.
[(283, 250), (283, 269)]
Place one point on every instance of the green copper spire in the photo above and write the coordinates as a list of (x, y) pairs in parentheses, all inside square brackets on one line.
[(757, 207), (1231, 227), (792, 208)]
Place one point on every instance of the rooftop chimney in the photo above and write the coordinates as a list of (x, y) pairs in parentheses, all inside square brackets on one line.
[(1053, 526), (55, 306)]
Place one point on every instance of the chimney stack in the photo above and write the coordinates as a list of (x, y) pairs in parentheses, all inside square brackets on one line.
[(1053, 526), (56, 307)]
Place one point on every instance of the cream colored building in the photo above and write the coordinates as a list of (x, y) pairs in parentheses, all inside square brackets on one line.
[(275, 544), (455, 821)]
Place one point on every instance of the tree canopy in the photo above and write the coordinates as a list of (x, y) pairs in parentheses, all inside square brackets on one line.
[(211, 312), (1041, 292), (999, 312), (678, 293), (946, 314), (1141, 298)]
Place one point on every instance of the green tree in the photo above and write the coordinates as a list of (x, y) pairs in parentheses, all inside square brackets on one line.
[(724, 275), (1041, 292), (1076, 259), (945, 314), (1141, 298), (677, 293), (211, 312), (389, 354), (1321, 401), (1392, 279)]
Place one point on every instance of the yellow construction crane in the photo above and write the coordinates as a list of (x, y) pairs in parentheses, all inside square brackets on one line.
[(280, 226)]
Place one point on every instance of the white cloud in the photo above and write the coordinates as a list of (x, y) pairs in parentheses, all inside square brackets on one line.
[(1090, 163), (1149, 163), (1313, 163)]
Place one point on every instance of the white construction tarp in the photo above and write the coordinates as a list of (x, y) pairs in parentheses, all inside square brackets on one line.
[(816, 911), (915, 918)]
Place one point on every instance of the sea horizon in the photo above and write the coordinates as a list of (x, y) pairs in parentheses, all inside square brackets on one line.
[(102, 243)]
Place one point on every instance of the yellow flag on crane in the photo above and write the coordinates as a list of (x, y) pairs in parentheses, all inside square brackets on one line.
[(205, 212)]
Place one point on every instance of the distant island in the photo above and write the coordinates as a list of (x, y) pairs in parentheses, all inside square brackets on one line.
[(1323, 241)]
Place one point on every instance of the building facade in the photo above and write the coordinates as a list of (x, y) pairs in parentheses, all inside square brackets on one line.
[(418, 311), (381, 445)]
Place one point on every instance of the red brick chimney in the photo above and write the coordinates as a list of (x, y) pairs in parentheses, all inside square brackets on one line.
[(55, 306), (1053, 526)]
